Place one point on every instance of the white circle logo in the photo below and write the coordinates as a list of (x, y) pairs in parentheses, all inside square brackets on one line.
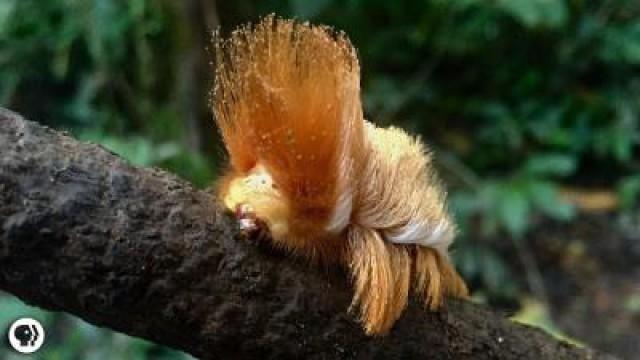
[(26, 335)]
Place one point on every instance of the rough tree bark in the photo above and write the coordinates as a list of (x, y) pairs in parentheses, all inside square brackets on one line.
[(143, 252)]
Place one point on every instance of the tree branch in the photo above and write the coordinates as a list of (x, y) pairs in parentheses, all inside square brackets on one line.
[(143, 252)]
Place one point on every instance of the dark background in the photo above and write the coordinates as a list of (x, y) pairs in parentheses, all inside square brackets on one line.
[(531, 107)]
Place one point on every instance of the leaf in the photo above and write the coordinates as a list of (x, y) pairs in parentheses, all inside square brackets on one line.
[(513, 210), (544, 196), (488, 197), (308, 9), (9, 86), (621, 44), (616, 142), (629, 191), (550, 164), (534, 13), (494, 271), (6, 10)]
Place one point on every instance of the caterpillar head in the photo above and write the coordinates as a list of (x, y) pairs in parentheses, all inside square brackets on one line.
[(255, 198)]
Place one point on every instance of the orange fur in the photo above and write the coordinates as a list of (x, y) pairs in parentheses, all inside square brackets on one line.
[(436, 277), (329, 185), (287, 96), (381, 275)]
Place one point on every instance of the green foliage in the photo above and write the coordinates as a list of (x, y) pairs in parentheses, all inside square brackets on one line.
[(629, 191), (83, 55), (105, 68), (536, 13), (481, 262)]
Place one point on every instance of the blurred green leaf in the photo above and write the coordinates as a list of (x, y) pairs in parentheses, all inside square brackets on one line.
[(494, 272), (514, 210), (550, 165), (308, 9), (629, 191), (621, 44), (615, 142), (6, 10), (532, 13), (545, 198)]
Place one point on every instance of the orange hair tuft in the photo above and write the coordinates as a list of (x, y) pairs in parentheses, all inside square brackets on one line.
[(287, 96)]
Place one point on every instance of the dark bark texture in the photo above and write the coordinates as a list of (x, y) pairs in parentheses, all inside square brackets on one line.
[(142, 252)]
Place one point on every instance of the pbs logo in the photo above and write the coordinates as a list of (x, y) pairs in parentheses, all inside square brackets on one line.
[(26, 335)]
